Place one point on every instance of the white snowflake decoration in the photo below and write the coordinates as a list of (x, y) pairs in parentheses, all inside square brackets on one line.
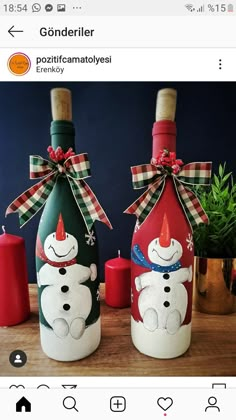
[(90, 238), (98, 295), (189, 241)]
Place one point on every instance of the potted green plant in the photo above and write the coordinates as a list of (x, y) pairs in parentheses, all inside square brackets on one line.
[(215, 246)]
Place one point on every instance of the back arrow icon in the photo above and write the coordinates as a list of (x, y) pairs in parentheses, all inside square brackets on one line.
[(11, 31)]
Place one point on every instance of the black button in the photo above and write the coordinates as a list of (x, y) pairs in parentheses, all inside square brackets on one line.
[(62, 271), (64, 289), (166, 304), (66, 307), (166, 276), (167, 289)]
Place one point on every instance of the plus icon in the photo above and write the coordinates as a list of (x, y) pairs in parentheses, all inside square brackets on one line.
[(117, 404)]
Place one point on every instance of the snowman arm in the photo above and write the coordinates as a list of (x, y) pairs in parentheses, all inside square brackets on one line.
[(142, 281), (94, 273), (190, 270), (84, 273), (38, 280), (46, 276), (182, 275)]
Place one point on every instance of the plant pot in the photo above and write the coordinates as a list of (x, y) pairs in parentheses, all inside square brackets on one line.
[(215, 285)]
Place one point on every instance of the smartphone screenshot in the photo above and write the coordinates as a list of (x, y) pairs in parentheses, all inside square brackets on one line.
[(117, 209)]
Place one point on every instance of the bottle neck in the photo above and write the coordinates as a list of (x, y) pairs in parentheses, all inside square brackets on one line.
[(164, 137), (62, 134)]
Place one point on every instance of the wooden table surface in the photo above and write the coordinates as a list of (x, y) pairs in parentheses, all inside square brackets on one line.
[(212, 351)]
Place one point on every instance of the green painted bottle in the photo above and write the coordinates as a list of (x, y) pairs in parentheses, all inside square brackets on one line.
[(66, 258)]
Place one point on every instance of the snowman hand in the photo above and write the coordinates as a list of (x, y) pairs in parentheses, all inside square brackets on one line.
[(138, 284), (93, 269), (38, 280), (190, 275)]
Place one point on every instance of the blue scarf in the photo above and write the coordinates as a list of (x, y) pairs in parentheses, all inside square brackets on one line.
[(138, 258)]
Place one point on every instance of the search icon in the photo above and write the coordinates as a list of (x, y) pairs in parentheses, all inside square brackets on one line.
[(69, 403)]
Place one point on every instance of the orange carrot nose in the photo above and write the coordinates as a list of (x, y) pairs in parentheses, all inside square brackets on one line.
[(165, 238), (60, 232)]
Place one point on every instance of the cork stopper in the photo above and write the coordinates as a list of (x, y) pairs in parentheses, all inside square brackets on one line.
[(61, 104), (166, 104)]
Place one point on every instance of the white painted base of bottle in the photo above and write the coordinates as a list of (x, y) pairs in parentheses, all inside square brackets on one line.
[(68, 349), (159, 343)]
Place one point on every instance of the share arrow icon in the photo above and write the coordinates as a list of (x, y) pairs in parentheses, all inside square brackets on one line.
[(69, 386)]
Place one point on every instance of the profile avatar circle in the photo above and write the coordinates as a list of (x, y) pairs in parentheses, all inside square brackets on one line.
[(19, 64), (18, 358)]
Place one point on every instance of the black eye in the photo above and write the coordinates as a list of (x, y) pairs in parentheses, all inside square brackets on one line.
[(156, 241), (172, 243), (67, 236), (53, 235)]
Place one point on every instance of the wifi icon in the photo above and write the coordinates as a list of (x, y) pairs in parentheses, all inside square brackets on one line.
[(190, 7)]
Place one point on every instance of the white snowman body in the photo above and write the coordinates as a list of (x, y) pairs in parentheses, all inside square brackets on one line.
[(65, 302), (163, 298)]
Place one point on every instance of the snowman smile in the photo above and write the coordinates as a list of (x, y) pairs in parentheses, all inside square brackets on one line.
[(165, 259), (63, 255)]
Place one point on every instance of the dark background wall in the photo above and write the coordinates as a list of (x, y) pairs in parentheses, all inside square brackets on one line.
[(113, 124)]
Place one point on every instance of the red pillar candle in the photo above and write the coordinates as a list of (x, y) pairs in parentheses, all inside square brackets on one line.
[(14, 293), (117, 281)]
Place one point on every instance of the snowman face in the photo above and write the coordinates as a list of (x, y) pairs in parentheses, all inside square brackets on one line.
[(164, 255), (60, 251)]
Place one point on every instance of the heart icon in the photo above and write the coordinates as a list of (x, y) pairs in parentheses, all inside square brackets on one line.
[(165, 403)]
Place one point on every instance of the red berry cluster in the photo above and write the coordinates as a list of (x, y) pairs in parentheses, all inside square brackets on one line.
[(58, 155), (168, 160)]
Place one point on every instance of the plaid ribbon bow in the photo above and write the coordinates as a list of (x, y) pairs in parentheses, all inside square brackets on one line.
[(75, 168), (154, 177)]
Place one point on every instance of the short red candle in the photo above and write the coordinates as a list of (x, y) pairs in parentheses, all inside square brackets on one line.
[(14, 292), (117, 282)]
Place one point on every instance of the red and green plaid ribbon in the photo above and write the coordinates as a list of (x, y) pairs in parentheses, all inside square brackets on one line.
[(196, 173), (75, 168)]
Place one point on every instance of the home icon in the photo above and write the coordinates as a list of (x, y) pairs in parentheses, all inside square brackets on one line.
[(23, 405)]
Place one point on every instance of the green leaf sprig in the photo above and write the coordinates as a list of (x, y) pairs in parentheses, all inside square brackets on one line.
[(218, 238)]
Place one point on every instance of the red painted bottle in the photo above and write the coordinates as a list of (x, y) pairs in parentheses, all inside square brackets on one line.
[(162, 255)]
